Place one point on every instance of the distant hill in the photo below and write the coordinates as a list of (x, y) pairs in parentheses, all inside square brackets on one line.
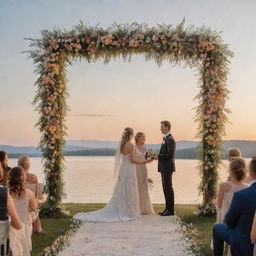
[(86, 144), (184, 149), (92, 152), (247, 148)]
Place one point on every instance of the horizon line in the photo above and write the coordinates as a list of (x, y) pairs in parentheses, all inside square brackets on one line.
[(90, 140)]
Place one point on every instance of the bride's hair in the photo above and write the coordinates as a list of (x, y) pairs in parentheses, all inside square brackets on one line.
[(125, 137)]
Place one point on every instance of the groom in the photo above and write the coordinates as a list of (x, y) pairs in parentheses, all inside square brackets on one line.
[(166, 167)]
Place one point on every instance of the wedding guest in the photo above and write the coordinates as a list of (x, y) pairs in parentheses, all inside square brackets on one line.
[(233, 152), (24, 163), (142, 174), (24, 201), (5, 168), (237, 172), (238, 221), (252, 168), (7, 209), (31, 178)]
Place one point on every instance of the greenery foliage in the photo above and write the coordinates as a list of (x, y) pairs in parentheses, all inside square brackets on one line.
[(200, 48)]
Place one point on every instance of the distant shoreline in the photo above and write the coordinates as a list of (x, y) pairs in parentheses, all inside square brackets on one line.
[(192, 155), (184, 149)]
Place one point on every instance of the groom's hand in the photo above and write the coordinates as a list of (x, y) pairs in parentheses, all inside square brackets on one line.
[(155, 156)]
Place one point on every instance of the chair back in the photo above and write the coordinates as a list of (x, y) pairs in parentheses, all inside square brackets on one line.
[(4, 235)]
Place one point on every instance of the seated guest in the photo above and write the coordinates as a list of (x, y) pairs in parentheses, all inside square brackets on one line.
[(233, 152), (7, 208), (5, 168), (252, 168), (32, 180), (24, 201), (237, 172), (238, 222)]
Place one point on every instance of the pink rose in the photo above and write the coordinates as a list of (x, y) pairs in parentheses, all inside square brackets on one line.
[(154, 38), (46, 79)]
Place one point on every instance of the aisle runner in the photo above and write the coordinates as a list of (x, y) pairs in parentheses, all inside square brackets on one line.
[(146, 236)]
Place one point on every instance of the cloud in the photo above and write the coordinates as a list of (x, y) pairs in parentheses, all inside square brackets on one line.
[(94, 115)]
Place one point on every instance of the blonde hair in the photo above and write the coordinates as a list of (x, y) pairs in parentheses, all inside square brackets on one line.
[(138, 135), (238, 168), (234, 152), (23, 161), (125, 137)]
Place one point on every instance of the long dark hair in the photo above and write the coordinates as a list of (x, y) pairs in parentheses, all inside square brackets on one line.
[(5, 168), (17, 181), (253, 165)]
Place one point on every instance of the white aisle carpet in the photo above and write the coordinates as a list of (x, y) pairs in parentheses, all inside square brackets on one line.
[(147, 236)]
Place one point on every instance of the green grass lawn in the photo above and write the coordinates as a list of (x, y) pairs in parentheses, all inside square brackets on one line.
[(53, 227)]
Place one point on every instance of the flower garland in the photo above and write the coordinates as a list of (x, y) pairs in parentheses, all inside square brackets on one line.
[(193, 242), (187, 236), (62, 241), (201, 48)]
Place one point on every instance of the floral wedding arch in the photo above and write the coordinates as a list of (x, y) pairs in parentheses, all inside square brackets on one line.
[(197, 48)]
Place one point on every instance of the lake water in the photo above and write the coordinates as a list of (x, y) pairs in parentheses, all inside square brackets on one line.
[(90, 179)]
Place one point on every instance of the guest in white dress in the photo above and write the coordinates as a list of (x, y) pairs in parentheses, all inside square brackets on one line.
[(142, 175), (237, 172), (24, 201), (7, 209), (32, 183), (235, 182)]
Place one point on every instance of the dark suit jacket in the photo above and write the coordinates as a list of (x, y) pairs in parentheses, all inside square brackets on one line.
[(239, 218), (166, 155)]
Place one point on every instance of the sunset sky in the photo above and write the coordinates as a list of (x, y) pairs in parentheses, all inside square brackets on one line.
[(106, 98)]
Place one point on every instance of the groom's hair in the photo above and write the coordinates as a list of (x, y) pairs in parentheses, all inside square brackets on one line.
[(166, 124)]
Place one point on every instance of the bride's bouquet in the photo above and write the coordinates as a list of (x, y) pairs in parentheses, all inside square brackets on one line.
[(150, 154)]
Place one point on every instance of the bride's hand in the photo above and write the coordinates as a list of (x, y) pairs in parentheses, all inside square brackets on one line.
[(149, 161)]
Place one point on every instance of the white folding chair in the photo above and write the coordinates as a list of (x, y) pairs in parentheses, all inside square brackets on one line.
[(4, 235)]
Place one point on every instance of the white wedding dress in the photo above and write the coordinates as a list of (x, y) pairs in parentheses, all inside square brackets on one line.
[(125, 202)]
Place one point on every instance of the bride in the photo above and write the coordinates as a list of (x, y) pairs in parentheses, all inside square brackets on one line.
[(125, 202)]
